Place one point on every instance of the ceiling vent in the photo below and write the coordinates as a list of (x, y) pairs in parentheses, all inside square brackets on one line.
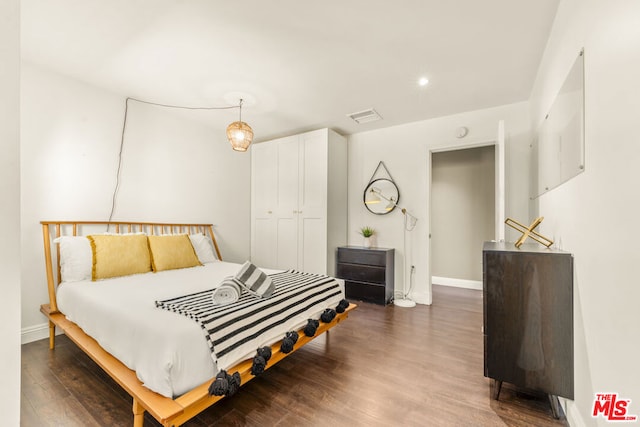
[(365, 116)]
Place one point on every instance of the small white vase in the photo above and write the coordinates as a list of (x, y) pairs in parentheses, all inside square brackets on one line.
[(367, 242)]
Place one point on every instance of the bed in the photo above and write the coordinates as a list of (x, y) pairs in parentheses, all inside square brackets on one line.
[(130, 326)]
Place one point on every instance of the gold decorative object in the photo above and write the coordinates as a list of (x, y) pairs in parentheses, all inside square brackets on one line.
[(529, 232)]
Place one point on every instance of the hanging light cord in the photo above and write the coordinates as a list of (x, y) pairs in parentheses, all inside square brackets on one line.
[(409, 225), (124, 126), (230, 107)]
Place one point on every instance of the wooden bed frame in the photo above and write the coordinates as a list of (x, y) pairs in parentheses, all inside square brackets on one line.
[(169, 412)]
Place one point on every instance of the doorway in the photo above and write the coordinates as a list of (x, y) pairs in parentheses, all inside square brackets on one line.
[(499, 182), (463, 212)]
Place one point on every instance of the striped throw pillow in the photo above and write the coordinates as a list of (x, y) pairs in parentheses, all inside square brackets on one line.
[(228, 292), (255, 281)]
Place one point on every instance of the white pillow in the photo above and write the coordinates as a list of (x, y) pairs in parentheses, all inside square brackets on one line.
[(76, 258), (203, 247)]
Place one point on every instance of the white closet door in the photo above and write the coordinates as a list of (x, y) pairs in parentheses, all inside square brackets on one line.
[(287, 200), (312, 206), (264, 181)]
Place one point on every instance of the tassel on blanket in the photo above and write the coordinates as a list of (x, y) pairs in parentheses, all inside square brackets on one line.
[(328, 315), (234, 383), (219, 386), (311, 328), (255, 280), (288, 342), (260, 360), (225, 384), (265, 352), (342, 306), (229, 291), (258, 365)]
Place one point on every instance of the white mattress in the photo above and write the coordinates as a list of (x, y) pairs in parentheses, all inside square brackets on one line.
[(168, 351)]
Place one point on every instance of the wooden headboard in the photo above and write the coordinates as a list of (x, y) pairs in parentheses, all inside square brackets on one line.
[(54, 229)]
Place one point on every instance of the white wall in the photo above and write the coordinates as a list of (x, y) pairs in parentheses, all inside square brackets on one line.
[(404, 149), (10, 212), (594, 214), (174, 169)]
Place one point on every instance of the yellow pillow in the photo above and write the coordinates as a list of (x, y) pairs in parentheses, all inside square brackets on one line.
[(172, 251), (119, 255)]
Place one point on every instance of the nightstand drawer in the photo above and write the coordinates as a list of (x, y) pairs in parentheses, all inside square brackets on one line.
[(366, 292), (361, 273), (362, 256)]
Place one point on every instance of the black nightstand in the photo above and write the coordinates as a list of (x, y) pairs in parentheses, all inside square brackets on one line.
[(368, 273)]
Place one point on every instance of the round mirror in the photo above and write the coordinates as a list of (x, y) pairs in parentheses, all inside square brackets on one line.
[(381, 196)]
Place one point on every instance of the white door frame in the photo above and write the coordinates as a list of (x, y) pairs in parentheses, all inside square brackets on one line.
[(499, 144)]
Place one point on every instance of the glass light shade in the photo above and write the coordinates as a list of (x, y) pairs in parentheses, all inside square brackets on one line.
[(240, 135), (372, 198), (390, 205)]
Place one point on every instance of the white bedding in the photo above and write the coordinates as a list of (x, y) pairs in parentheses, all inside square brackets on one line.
[(168, 351)]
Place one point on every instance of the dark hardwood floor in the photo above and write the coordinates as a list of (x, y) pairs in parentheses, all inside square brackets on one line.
[(384, 366)]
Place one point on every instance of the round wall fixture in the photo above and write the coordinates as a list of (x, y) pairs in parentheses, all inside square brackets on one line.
[(381, 196), (461, 132)]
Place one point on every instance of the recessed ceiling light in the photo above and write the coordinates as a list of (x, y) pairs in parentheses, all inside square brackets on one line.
[(423, 81)]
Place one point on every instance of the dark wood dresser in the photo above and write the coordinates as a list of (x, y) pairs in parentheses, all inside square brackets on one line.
[(368, 273), (528, 319)]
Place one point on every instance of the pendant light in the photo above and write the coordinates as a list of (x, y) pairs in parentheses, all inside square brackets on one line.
[(240, 134)]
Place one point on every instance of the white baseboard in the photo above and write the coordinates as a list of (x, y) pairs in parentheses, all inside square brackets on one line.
[(420, 297), (574, 418), (35, 333), (458, 283)]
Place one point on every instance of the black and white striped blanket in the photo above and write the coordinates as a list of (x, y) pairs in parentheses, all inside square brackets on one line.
[(234, 331)]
